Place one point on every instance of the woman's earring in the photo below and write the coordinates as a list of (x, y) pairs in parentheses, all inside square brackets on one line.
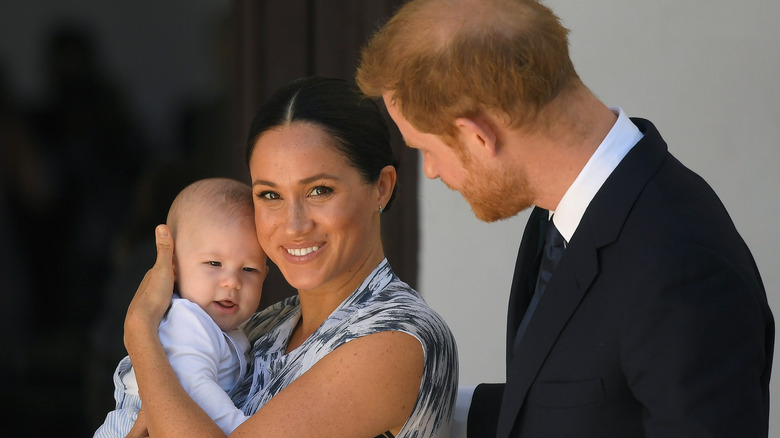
[(381, 209)]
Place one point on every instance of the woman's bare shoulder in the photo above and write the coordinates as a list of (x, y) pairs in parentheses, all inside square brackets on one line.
[(370, 384)]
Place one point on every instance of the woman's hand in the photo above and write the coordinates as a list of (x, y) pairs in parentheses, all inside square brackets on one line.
[(168, 409), (139, 427), (153, 296)]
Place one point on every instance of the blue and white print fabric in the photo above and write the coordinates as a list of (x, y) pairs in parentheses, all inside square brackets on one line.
[(382, 303)]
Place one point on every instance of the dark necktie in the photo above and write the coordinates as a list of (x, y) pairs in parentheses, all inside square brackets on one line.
[(554, 245)]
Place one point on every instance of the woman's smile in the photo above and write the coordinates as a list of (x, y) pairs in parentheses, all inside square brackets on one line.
[(302, 251), (315, 208)]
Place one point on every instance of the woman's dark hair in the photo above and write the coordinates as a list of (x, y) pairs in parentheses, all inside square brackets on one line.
[(338, 107)]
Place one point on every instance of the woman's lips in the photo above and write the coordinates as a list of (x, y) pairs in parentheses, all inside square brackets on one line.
[(299, 252)]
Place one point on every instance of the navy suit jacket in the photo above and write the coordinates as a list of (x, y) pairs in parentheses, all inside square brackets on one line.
[(654, 324)]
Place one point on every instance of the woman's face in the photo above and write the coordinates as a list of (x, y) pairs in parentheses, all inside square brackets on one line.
[(316, 217)]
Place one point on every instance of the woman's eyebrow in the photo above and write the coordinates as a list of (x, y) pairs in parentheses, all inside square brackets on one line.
[(311, 179), (262, 182), (319, 176)]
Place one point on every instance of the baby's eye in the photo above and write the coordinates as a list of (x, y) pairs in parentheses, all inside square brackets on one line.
[(321, 191), (214, 263), (249, 269), (267, 194)]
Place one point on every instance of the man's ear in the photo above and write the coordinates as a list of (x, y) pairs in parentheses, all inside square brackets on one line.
[(477, 133)]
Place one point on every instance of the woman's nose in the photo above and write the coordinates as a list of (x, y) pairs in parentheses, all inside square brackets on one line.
[(298, 220)]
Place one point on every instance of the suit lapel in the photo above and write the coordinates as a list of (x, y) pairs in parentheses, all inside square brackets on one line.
[(564, 293), (578, 268), (522, 288)]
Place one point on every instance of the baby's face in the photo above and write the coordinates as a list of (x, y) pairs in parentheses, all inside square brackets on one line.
[(221, 268)]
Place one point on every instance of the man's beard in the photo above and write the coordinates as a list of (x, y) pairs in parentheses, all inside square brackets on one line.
[(494, 194)]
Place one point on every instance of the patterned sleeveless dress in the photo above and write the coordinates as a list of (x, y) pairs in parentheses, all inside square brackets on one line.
[(383, 302)]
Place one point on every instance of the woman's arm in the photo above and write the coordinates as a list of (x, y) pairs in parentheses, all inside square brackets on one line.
[(169, 409), (361, 389)]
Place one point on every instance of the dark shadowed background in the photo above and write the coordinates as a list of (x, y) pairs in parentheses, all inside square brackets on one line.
[(107, 110)]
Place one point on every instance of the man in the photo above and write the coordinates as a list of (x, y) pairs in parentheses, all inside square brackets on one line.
[(654, 322)]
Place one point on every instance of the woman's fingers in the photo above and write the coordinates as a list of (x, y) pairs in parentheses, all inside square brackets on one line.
[(164, 262), (153, 296), (161, 276), (139, 427), (157, 286)]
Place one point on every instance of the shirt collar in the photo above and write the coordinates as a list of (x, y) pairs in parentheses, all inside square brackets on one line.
[(620, 139)]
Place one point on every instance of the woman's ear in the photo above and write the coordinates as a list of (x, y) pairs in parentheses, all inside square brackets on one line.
[(385, 185), (477, 133)]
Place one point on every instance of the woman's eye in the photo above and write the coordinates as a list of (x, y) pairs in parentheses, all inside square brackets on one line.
[(213, 263), (268, 195), (321, 191)]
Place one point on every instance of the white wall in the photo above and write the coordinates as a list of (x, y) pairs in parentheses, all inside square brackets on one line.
[(706, 73)]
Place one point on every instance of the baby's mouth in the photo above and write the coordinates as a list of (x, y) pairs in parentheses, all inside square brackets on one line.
[(226, 304)]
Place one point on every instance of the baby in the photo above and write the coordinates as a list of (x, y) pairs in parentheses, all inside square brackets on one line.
[(220, 269)]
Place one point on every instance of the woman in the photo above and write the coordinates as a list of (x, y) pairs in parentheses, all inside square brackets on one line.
[(357, 353)]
